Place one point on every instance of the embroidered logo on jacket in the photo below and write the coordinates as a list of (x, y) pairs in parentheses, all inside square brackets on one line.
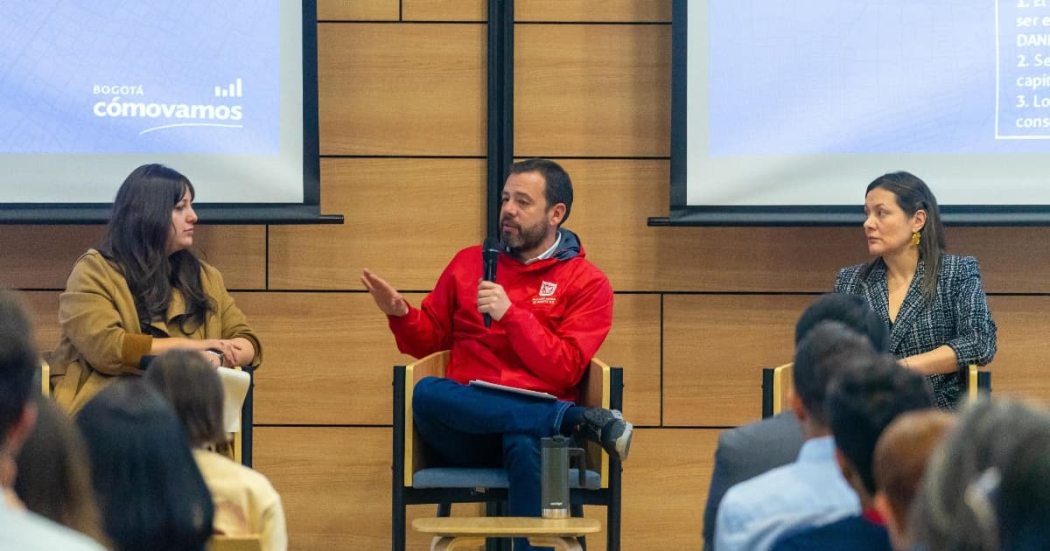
[(546, 295)]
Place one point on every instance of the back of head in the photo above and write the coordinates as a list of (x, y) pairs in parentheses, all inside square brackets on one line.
[(151, 494), (850, 310), (558, 185), (18, 362), (987, 487), (52, 479), (863, 400), (901, 455), (190, 384), (825, 350)]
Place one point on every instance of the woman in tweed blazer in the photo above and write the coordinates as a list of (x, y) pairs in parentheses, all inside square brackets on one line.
[(933, 302)]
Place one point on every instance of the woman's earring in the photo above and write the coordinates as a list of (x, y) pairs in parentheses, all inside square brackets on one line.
[(916, 238)]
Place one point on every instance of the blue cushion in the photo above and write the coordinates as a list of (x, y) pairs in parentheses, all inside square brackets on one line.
[(449, 477)]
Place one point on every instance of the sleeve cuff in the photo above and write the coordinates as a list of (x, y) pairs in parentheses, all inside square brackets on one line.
[(135, 347)]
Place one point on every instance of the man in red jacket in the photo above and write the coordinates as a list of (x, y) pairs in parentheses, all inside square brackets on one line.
[(550, 309)]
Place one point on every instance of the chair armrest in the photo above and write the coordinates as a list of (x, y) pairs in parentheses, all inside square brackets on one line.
[(415, 451), (45, 379), (594, 386), (783, 384)]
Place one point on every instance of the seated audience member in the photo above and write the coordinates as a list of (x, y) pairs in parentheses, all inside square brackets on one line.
[(987, 487), (245, 502), (900, 461), (149, 489), (752, 449), (20, 529), (861, 403), (53, 480), (810, 491)]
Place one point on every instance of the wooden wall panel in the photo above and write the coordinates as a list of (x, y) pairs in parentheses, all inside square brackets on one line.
[(603, 91), (358, 10), (634, 344), (715, 347), (401, 89), (594, 10), (41, 257), (1020, 365), (42, 308), (445, 10), (1013, 260), (335, 486), (328, 358), (404, 220), (665, 488)]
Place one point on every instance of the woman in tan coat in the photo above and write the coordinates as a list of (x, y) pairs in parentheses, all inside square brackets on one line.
[(143, 292)]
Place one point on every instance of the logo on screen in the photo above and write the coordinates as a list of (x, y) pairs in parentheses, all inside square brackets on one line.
[(232, 90)]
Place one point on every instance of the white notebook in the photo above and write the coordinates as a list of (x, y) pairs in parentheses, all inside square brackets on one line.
[(515, 390)]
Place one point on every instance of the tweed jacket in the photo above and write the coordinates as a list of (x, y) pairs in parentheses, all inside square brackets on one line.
[(102, 338), (958, 316)]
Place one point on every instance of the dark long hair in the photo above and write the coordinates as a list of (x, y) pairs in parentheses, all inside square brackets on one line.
[(912, 196), (136, 242), (150, 491)]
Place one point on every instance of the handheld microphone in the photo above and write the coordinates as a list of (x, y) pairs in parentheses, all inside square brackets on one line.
[(489, 259)]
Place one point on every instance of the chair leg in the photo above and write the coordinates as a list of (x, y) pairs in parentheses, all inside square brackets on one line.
[(444, 509)]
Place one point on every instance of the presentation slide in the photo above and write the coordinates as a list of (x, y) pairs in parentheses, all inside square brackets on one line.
[(91, 89), (804, 103)]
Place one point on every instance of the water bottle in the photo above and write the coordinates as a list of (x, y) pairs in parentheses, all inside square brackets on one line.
[(555, 455)]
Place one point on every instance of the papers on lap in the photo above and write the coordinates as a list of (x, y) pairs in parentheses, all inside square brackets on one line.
[(515, 390)]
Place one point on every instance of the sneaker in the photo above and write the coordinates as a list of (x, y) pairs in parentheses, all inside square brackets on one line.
[(607, 427)]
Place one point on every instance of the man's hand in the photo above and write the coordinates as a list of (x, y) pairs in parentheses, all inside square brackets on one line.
[(387, 298), (492, 299)]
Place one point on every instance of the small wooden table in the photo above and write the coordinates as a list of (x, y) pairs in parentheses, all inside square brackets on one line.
[(453, 533)]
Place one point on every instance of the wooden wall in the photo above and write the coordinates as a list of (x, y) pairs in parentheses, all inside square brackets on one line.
[(698, 310)]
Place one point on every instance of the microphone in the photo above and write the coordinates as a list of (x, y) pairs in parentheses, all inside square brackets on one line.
[(489, 259)]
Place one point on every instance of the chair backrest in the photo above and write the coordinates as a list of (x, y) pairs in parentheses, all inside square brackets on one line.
[(777, 382), (251, 542), (45, 379)]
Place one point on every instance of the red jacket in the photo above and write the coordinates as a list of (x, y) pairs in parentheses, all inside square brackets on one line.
[(561, 311)]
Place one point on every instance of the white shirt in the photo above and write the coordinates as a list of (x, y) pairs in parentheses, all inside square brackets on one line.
[(28, 531)]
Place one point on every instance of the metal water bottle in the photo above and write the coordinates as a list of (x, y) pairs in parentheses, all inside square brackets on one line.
[(555, 455)]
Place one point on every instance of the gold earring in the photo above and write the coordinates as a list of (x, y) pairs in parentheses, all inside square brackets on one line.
[(916, 238)]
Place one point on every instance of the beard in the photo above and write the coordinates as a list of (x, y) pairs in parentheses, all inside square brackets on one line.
[(525, 239)]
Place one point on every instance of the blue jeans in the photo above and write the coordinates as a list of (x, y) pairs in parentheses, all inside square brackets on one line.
[(475, 427)]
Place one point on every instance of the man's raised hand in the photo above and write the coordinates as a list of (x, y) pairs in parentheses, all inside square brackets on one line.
[(387, 298)]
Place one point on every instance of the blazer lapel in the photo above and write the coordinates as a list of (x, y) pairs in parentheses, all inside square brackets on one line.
[(910, 308), (876, 292)]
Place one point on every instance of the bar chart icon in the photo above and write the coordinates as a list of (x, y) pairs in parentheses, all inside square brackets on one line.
[(231, 91)]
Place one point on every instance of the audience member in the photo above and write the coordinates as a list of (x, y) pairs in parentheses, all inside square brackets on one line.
[(987, 487), (52, 479), (151, 494), (752, 449), (245, 502), (20, 529), (900, 461), (861, 402), (811, 491)]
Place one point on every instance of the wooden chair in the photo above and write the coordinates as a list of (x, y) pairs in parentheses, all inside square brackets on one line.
[(777, 382), (418, 479), (252, 542)]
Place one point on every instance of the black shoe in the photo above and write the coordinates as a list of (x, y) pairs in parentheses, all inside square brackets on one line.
[(607, 427)]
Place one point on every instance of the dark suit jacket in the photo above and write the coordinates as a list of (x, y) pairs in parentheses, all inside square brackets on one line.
[(746, 452), (957, 317)]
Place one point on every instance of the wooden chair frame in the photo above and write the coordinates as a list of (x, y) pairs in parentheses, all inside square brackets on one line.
[(601, 385), (777, 382)]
